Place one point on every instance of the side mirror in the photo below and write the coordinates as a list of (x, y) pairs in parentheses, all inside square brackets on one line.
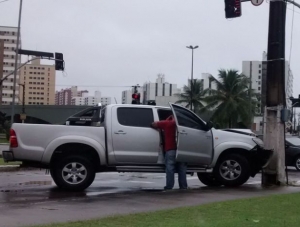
[(209, 125), (287, 146)]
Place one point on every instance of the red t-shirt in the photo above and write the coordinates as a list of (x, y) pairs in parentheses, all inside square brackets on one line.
[(169, 127)]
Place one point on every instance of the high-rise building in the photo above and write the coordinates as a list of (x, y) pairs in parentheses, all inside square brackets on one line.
[(9, 35), (160, 91), (39, 83), (87, 100), (257, 72), (64, 96), (208, 81), (127, 95)]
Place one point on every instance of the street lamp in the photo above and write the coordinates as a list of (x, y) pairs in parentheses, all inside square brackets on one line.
[(192, 48)]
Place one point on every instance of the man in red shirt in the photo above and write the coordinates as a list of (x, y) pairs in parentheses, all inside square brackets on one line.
[(169, 128)]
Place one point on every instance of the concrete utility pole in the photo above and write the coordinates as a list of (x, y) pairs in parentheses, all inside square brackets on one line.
[(274, 130), (1, 66)]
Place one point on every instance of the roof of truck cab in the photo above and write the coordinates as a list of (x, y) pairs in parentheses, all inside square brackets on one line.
[(138, 106)]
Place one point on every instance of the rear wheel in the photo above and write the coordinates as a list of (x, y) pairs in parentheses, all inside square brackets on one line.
[(74, 173), (232, 170), (208, 180)]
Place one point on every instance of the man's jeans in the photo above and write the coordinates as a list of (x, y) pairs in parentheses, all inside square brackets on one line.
[(170, 162)]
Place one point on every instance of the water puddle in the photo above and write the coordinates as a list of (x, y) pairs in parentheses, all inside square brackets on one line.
[(37, 183)]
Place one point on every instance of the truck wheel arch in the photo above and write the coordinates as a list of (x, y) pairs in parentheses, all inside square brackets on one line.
[(78, 143), (79, 149), (227, 147)]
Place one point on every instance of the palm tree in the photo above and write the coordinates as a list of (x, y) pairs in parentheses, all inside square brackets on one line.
[(197, 98), (232, 100)]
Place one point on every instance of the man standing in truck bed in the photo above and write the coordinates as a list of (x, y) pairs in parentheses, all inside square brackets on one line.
[(169, 128)]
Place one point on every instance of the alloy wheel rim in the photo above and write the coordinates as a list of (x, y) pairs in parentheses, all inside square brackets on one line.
[(230, 170), (74, 173), (298, 163)]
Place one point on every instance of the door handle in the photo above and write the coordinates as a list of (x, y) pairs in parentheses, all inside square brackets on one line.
[(120, 132), (183, 132)]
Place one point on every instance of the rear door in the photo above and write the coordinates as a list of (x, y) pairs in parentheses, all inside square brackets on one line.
[(134, 141), (194, 142)]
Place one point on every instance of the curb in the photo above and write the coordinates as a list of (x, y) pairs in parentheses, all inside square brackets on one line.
[(4, 144), (15, 168)]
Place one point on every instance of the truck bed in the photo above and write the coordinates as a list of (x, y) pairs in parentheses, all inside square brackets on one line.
[(34, 140)]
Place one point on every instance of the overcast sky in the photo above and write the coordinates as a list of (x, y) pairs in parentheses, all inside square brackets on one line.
[(125, 42)]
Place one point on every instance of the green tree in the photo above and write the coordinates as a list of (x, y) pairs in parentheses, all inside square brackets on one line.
[(232, 100), (194, 93)]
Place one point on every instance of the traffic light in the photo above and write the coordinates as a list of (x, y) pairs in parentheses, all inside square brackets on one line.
[(136, 98), (233, 8), (59, 61)]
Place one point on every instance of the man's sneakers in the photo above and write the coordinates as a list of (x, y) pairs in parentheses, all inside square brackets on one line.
[(170, 189)]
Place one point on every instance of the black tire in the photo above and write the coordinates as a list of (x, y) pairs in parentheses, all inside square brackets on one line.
[(297, 163), (74, 173), (238, 172), (208, 180)]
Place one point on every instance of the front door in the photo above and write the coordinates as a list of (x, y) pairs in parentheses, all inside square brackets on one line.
[(194, 141), (134, 141)]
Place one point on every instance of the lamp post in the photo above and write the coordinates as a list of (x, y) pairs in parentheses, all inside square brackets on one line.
[(192, 48)]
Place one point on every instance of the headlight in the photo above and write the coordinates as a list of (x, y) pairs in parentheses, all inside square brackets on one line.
[(258, 142)]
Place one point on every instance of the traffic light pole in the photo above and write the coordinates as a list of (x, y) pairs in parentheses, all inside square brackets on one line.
[(274, 130), (16, 65), (14, 72)]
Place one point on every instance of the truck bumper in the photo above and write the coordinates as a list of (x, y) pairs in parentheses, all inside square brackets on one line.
[(8, 156), (259, 159)]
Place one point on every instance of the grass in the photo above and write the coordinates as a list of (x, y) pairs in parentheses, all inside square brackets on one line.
[(2, 140), (8, 163), (271, 211)]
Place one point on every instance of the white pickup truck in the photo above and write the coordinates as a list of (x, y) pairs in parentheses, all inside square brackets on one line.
[(125, 142)]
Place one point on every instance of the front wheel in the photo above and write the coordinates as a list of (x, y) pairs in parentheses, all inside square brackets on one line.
[(232, 170), (208, 180), (74, 173), (297, 163)]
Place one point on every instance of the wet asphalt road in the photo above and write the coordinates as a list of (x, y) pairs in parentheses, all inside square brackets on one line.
[(30, 197)]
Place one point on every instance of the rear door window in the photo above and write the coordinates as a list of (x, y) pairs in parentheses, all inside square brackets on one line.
[(135, 117), (163, 114)]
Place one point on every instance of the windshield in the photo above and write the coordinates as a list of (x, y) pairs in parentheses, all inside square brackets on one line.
[(294, 141)]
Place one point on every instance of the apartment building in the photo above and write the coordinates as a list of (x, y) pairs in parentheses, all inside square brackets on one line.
[(257, 72), (161, 92), (64, 96), (127, 95), (87, 100), (38, 80), (9, 35)]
